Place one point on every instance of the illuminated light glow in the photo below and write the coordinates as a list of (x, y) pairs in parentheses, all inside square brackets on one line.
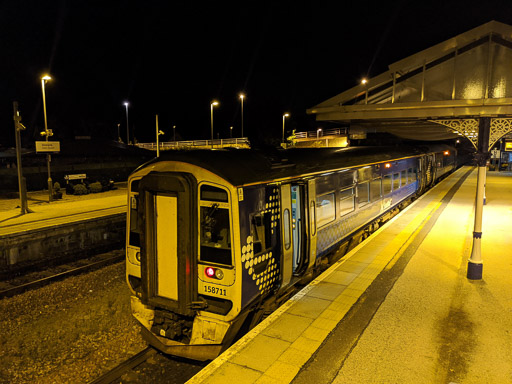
[(209, 271), (46, 77), (446, 153), (364, 81), (387, 165)]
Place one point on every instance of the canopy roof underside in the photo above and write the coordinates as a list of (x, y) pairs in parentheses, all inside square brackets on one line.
[(468, 76)]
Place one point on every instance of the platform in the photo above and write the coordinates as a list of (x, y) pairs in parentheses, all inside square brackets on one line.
[(73, 227), (398, 308), (59, 212)]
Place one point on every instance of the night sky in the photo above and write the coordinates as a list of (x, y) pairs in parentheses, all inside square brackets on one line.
[(172, 58)]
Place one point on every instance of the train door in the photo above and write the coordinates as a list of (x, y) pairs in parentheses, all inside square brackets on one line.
[(287, 245), (168, 246), (299, 228)]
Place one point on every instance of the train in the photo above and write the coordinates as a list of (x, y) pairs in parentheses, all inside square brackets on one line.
[(218, 239)]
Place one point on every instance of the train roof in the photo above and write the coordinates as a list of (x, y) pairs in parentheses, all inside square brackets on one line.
[(248, 166)]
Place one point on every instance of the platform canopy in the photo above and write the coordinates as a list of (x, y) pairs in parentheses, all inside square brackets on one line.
[(438, 93)]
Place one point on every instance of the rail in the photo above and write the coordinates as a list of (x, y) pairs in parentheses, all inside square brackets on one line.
[(241, 142)]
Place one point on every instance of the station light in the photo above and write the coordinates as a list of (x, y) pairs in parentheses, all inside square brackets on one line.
[(214, 273), (387, 165), (446, 153)]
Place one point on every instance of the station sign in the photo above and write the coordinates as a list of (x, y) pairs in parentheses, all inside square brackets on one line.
[(508, 145), (47, 146)]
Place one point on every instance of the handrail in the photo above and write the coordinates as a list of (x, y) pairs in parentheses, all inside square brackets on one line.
[(242, 142), (321, 133)]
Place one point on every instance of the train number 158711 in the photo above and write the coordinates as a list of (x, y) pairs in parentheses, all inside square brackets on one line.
[(214, 290)]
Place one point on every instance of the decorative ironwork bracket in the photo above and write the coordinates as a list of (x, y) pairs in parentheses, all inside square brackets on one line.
[(469, 128)]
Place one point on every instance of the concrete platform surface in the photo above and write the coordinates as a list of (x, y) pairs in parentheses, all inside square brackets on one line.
[(398, 308), (68, 210)]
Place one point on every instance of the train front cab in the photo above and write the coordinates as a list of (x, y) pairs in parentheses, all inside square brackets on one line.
[(180, 260)]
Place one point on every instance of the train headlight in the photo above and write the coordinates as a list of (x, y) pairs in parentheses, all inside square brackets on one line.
[(214, 273)]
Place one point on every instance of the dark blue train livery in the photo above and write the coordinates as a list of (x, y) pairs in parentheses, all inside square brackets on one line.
[(216, 240)]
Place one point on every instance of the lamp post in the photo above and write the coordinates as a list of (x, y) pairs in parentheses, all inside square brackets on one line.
[(174, 130), (158, 133), (242, 96), (364, 82), (47, 133), (127, 131), (284, 117), (230, 132), (211, 117), (118, 134)]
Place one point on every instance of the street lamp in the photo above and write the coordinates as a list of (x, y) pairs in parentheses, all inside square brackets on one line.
[(211, 117), (158, 133), (47, 133), (364, 82), (174, 129), (242, 96), (231, 132), (126, 104), (284, 117)]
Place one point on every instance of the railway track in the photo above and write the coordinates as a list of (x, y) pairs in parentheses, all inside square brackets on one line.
[(151, 366), (126, 366), (38, 279)]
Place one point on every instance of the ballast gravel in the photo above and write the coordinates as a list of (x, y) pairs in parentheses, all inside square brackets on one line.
[(71, 331)]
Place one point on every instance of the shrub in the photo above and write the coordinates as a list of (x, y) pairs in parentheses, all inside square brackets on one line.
[(80, 189), (95, 187)]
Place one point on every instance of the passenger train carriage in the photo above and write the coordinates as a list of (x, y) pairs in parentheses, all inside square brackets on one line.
[(218, 239)]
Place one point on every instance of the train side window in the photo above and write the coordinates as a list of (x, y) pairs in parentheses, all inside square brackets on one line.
[(286, 228), (326, 208), (375, 189), (134, 221), (410, 177), (364, 174), (346, 201), (396, 181), (386, 184), (215, 235), (261, 227), (134, 186), (403, 176), (414, 175), (363, 193), (346, 178), (312, 211)]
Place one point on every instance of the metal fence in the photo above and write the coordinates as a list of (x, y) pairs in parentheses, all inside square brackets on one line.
[(242, 142), (321, 133)]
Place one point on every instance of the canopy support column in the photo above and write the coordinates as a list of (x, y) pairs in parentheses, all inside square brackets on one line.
[(475, 263)]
